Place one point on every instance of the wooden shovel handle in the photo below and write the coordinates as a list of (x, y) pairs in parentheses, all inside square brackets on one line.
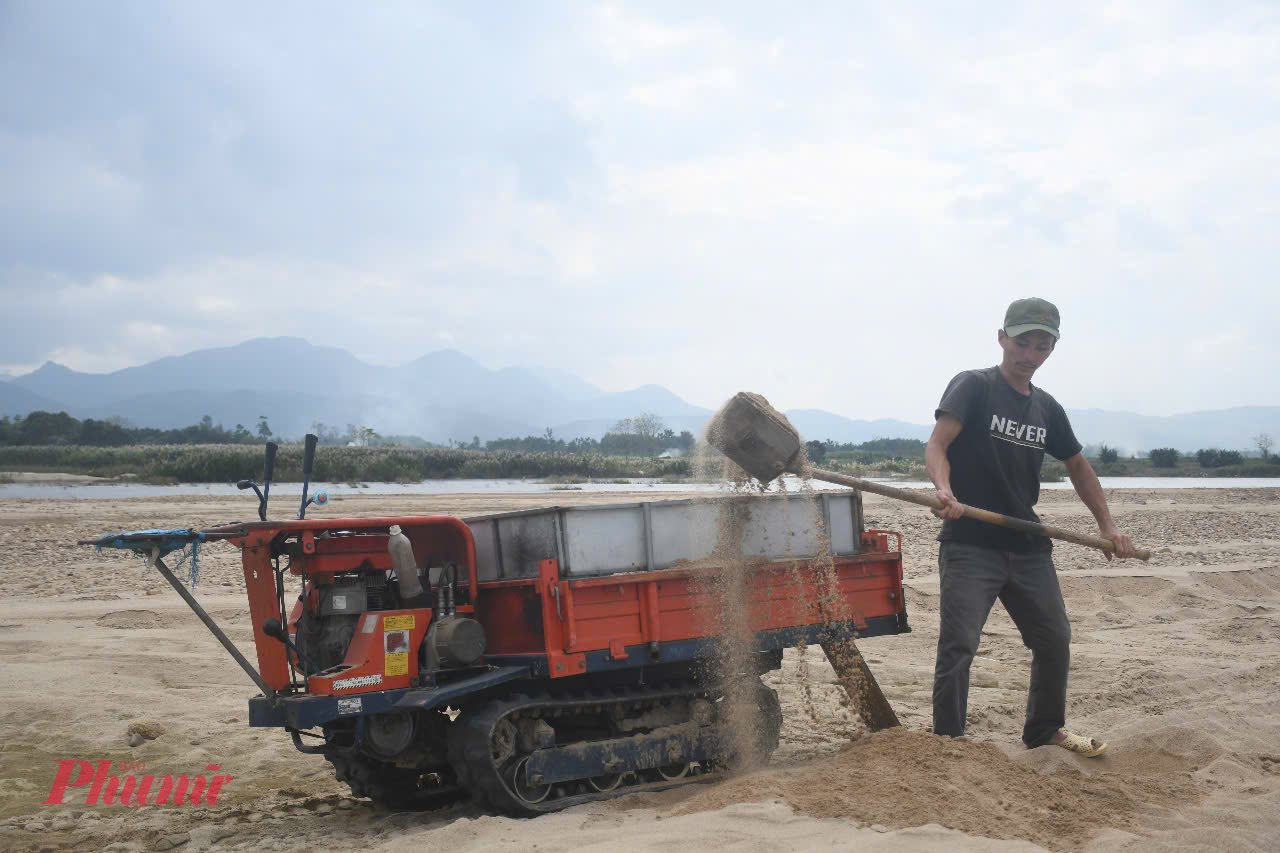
[(931, 500)]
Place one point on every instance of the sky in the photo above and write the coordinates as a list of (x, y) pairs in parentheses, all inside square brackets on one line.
[(828, 203)]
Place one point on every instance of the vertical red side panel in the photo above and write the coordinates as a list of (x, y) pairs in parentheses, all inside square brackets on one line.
[(557, 615), (260, 583)]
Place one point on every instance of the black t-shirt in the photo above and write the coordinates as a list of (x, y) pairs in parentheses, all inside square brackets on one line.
[(996, 458)]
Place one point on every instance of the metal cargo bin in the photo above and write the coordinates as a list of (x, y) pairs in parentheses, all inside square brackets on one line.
[(600, 540)]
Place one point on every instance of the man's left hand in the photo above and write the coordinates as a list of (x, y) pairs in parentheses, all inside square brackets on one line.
[(1124, 545)]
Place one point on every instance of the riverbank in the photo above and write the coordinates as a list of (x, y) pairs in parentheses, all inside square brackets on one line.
[(1174, 662), (228, 463), (45, 478), (72, 487)]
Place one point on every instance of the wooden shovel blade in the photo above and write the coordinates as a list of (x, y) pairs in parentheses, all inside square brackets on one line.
[(860, 685)]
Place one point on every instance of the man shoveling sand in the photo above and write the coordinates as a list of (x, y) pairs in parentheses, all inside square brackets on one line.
[(993, 429)]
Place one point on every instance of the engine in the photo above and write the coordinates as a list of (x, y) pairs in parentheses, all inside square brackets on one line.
[(331, 613), (324, 630)]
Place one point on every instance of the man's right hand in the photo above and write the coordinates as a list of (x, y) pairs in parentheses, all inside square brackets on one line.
[(951, 508)]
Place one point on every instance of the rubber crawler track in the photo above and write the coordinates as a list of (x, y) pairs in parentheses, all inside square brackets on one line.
[(470, 755), (391, 786)]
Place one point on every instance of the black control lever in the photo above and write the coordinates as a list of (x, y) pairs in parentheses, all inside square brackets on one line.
[(308, 460), (268, 469), (273, 628), (249, 484)]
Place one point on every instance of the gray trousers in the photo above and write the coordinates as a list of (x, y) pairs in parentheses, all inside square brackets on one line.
[(973, 578)]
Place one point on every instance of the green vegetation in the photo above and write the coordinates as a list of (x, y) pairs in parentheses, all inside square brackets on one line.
[(1190, 466), (1052, 471), (227, 463), (875, 450), (644, 436), (208, 453), (880, 457), (1214, 458), (911, 469), (59, 428)]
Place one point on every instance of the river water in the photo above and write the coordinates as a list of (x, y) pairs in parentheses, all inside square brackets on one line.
[(119, 491)]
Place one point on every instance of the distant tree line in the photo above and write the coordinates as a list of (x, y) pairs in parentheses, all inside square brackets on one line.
[(1206, 457), (358, 435), (227, 463), (59, 428), (643, 435), (868, 452), (1214, 458)]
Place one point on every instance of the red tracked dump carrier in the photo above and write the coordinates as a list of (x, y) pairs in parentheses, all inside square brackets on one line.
[(593, 670), (581, 645)]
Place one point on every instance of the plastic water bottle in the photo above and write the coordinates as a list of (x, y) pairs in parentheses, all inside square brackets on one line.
[(403, 564)]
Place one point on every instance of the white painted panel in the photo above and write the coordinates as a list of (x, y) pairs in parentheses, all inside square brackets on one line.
[(600, 541)]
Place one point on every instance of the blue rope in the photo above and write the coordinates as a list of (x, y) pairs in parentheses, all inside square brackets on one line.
[(193, 567), (184, 539)]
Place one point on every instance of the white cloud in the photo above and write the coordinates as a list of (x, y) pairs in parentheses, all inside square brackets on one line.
[(627, 37), (832, 208), (683, 91), (842, 180)]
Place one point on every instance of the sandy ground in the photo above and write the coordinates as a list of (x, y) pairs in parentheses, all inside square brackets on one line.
[(1176, 663), (50, 477)]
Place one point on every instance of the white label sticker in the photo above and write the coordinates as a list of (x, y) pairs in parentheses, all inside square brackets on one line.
[(350, 705), (359, 681), (370, 622), (339, 602)]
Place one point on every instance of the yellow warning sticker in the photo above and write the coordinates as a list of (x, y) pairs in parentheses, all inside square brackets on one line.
[(398, 663), (397, 623)]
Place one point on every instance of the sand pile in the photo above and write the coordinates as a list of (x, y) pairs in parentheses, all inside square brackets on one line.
[(898, 778), (126, 619), (1175, 662)]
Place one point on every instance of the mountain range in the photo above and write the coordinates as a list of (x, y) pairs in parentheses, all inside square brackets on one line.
[(447, 395)]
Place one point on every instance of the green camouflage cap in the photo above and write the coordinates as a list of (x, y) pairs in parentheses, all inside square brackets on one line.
[(1026, 315)]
